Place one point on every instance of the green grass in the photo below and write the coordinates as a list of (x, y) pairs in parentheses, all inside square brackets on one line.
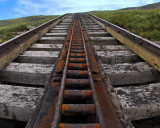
[(145, 23), (9, 28)]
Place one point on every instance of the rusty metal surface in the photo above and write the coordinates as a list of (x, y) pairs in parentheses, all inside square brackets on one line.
[(78, 109), (76, 95)]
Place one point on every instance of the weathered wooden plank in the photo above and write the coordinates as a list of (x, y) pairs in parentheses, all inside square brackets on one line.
[(92, 26), (99, 34), (88, 23), (104, 40), (141, 101), (55, 40), (64, 23), (96, 30), (67, 19), (131, 73), (55, 35), (115, 57), (39, 57), (110, 47), (58, 31), (62, 26), (107, 57), (26, 73), (45, 47), (17, 102)]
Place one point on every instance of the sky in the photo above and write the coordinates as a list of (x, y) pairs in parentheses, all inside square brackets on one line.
[(21, 8)]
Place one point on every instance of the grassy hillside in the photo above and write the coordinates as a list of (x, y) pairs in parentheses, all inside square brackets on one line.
[(145, 23), (14, 27), (149, 6)]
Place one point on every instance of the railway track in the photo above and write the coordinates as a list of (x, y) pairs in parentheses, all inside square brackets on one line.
[(78, 54)]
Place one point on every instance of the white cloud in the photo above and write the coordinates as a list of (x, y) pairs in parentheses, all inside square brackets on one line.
[(150, 1), (52, 7)]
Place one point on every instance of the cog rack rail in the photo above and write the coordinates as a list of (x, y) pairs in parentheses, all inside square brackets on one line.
[(76, 96)]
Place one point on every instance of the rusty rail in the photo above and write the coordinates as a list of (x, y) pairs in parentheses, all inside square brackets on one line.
[(146, 49), (76, 95)]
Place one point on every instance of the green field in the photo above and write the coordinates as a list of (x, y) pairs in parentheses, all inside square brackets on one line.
[(14, 27), (145, 23)]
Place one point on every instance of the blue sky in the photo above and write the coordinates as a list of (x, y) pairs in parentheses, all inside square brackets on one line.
[(20, 8)]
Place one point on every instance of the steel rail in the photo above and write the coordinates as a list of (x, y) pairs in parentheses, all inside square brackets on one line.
[(59, 104), (101, 120), (146, 49)]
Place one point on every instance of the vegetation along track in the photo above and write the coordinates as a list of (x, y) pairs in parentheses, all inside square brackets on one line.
[(78, 92)]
